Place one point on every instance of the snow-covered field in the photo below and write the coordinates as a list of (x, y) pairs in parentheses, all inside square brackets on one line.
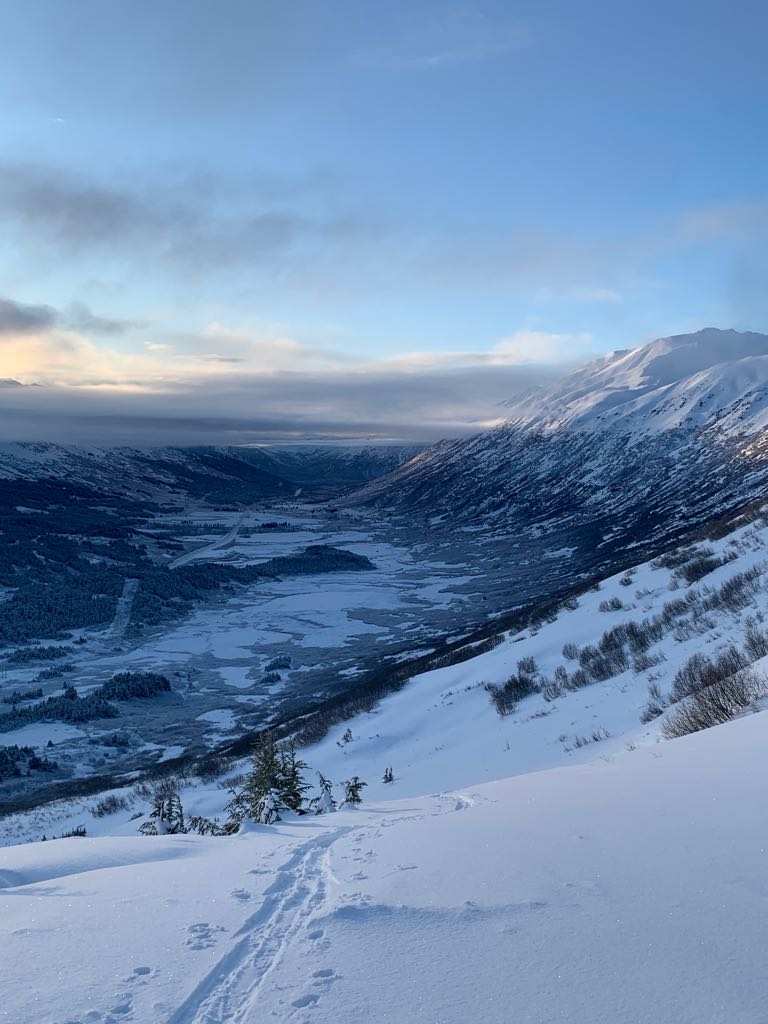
[(510, 872)]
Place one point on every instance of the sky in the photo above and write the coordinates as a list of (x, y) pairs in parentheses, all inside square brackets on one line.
[(247, 220)]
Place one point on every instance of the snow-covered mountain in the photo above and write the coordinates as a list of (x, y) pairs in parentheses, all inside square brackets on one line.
[(699, 380), (219, 473), (635, 448)]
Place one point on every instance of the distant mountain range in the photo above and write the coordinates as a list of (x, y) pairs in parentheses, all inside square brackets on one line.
[(633, 449), (217, 474)]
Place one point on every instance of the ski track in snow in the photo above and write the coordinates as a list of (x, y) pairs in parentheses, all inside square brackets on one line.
[(230, 991), (293, 905)]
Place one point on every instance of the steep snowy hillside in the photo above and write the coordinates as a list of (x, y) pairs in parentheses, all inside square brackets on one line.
[(621, 457)]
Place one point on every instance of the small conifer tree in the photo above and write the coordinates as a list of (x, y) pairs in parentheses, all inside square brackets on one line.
[(352, 791), (326, 802), (166, 817)]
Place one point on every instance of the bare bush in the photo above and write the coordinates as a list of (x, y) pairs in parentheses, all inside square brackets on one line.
[(736, 593), (596, 736), (110, 804), (674, 559), (612, 605), (715, 704), (506, 696), (570, 651), (701, 566), (641, 635), (579, 679), (700, 672), (551, 689), (212, 766), (526, 666), (657, 704), (643, 662), (756, 643)]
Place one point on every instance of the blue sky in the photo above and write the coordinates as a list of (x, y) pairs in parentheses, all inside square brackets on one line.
[(247, 195)]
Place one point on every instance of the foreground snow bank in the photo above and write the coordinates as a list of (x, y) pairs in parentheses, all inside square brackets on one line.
[(626, 890)]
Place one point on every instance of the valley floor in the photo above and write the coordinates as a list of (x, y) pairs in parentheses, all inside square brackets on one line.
[(623, 891)]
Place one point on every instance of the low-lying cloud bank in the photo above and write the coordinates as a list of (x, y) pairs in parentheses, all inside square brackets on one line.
[(418, 405)]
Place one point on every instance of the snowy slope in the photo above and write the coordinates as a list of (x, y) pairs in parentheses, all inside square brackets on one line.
[(628, 892)]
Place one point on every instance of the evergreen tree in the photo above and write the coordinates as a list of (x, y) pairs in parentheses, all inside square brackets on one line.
[(352, 791), (326, 802), (166, 817), (274, 785), (291, 786)]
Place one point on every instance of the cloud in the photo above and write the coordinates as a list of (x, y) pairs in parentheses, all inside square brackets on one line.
[(184, 225), (445, 36), (19, 318), (247, 408), (577, 294), (725, 220), (230, 384), (527, 346), (78, 317)]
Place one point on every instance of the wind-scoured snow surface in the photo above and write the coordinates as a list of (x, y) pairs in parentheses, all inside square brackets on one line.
[(510, 872)]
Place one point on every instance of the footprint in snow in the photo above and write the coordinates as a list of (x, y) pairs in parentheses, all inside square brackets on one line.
[(303, 1002), (240, 894), (203, 935)]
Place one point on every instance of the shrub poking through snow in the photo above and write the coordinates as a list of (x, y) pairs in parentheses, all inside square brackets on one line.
[(519, 685), (388, 776), (715, 704), (756, 643), (657, 704), (612, 605), (700, 672), (110, 804)]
